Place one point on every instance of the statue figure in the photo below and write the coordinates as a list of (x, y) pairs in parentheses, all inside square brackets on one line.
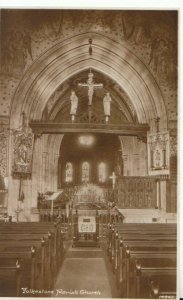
[(74, 103), (107, 104), (22, 153)]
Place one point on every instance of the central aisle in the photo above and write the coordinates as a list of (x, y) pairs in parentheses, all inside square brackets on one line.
[(84, 274)]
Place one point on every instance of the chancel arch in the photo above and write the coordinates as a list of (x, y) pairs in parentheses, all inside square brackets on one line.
[(136, 98), (52, 68)]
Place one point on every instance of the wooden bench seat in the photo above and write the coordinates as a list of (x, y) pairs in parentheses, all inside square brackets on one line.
[(138, 232), (147, 271), (143, 247), (18, 241), (139, 241), (149, 260), (42, 257), (29, 260), (10, 278), (53, 252), (33, 228), (126, 266), (162, 290), (150, 225), (155, 243)]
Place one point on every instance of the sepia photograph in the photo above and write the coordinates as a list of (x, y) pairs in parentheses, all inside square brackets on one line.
[(88, 153)]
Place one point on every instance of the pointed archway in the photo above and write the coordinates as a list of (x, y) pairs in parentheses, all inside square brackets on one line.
[(61, 62), (70, 57)]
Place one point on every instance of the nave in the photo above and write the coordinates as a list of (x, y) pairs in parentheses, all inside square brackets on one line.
[(88, 153), (128, 261)]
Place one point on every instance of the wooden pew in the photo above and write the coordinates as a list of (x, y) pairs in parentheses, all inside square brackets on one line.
[(138, 237), (152, 258), (138, 246), (10, 277), (30, 261), (31, 228), (146, 229), (147, 271), (159, 291), (49, 254), (26, 245), (18, 240), (138, 229), (148, 225), (125, 237)]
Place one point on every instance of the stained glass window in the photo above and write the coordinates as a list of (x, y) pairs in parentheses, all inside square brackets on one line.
[(102, 172), (69, 172), (85, 172)]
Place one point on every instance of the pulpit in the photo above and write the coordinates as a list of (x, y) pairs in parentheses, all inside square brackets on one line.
[(86, 229)]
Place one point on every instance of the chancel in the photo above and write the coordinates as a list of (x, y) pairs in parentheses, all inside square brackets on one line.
[(88, 143)]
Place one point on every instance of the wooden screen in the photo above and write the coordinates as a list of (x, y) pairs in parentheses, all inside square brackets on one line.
[(136, 192)]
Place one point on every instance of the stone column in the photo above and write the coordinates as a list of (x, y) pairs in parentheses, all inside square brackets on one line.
[(163, 194), (44, 171), (158, 195), (55, 177), (13, 184), (36, 171), (162, 199)]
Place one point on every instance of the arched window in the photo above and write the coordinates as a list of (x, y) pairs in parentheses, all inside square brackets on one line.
[(69, 172), (85, 172), (102, 172)]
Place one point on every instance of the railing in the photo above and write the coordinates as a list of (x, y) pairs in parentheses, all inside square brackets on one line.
[(85, 212)]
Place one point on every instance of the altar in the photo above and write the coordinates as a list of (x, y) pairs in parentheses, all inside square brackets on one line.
[(86, 224), (86, 229)]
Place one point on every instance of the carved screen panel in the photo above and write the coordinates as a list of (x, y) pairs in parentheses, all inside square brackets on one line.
[(22, 152), (135, 192), (4, 153), (158, 153)]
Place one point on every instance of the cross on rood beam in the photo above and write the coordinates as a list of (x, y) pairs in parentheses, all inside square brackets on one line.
[(91, 86)]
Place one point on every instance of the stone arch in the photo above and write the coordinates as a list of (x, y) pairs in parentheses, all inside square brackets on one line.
[(71, 56)]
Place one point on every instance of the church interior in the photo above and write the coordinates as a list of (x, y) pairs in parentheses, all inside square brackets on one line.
[(88, 153)]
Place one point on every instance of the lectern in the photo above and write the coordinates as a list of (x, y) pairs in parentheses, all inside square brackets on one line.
[(86, 230)]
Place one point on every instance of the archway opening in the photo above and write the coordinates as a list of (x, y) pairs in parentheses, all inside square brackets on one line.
[(88, 158)]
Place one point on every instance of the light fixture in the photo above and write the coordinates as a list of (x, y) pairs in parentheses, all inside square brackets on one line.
[(86, 140)]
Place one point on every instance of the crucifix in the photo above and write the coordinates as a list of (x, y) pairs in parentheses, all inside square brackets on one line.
[(91, 86), (113, 177)]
